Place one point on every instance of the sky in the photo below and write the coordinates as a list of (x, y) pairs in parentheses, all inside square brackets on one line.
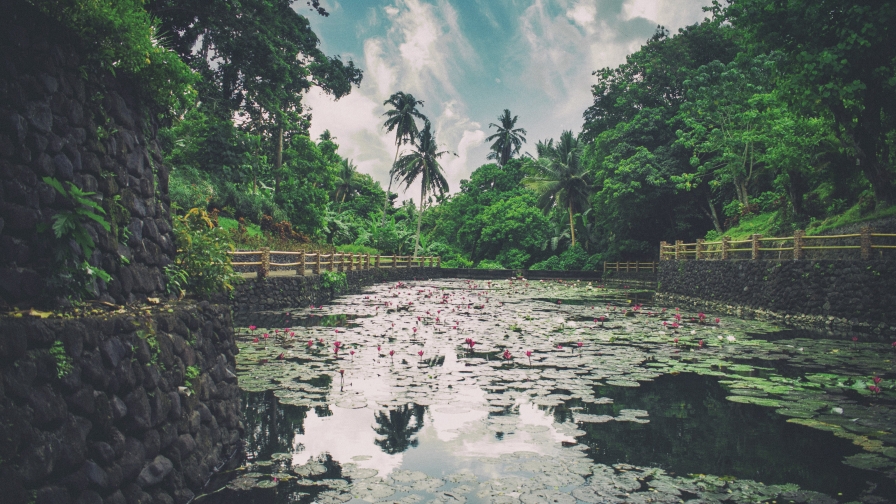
[(468, 60)]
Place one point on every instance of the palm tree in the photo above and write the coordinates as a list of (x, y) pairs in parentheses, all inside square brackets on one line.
[(508, 140), (559, 178), (348, 180), (423, 162), (401, 119)]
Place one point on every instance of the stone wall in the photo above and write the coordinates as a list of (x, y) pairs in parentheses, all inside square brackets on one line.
[(121, 425), (846, 294), (60, 119), (278, 292)]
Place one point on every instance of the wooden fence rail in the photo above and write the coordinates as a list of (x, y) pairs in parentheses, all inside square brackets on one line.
[(337, 261), (797, 244), (630, 266)]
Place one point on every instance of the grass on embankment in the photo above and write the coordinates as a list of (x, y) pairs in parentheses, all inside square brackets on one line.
[(766, 223)]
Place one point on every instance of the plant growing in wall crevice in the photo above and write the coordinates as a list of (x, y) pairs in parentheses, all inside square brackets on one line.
[(74, 247), (63, 361)]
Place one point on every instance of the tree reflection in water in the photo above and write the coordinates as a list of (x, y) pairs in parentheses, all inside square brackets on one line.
[(273, 426), (398, 428)]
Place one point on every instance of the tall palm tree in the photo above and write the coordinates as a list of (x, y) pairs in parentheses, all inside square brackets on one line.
[(560, 179), (401, 120), (508, 140), (348, 180), (423, 162)]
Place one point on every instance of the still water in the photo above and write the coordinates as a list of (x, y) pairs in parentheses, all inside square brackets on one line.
[(616, 401)]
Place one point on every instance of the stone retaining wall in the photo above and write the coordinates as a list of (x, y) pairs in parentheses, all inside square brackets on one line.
[(273, 293), (61, 119), (846, 295), (121, 425)]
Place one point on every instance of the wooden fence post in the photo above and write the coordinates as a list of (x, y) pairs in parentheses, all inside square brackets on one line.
[(865, 242), (265, 262), (678, 247), (439, 262), (301, 268), (653, 266), (376, 262), (316, 268), (394, 261), (754, 246), (726, 244), (701, 247), (332, 262), (351, 260), (663, 250), (410, 261), (798, 244)]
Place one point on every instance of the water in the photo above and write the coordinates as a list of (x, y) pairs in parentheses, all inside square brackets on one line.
[(628, 416)]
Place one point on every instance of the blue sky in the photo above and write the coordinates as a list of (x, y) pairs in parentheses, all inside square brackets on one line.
[(468, 60)]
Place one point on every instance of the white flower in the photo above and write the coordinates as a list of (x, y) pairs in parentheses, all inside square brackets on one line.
[(719, 337), (731, 338), (693, 332)]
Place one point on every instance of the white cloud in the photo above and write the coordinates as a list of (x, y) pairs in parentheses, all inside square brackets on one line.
[(583, 14), (423, 52), (544, 69), (669, 13)]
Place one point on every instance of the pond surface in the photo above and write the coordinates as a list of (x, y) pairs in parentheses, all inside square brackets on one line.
[(617, 402)]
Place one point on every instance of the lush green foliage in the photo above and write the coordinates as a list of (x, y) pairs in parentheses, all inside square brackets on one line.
[(203, 259), (73, 272), (335, 280), (121, 36), (766, 118)]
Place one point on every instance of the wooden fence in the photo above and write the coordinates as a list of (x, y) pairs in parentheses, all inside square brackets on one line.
[(337, 261), (630, 267), (798, 244)]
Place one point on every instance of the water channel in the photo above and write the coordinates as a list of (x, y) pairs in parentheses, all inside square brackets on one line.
[(519, 391)]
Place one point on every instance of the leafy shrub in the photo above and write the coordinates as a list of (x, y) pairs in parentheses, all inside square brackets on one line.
[(357, 249), (120, 35), (282, 230), (203, 253), (489, 264), (189, 189), (457, 262), (594, 262), (513, 258), (573, 258), (333, 280), (550, 264)]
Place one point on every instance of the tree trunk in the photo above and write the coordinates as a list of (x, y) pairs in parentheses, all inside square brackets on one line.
[(866, 141), (389, 190), (278, 160), (795, 191), (419, 217), (714, 215), (572, 228)]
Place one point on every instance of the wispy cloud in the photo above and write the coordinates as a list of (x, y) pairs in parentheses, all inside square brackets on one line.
[(541, 54)]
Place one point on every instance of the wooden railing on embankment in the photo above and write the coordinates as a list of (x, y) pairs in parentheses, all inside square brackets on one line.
[(630, 267), (316, 262), (792, 247)]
